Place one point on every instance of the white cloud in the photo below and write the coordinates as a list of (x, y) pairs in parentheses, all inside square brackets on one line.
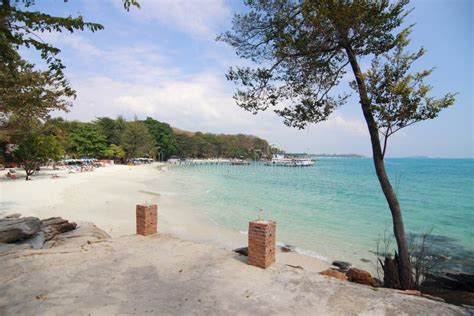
[(195, 17), (354, 126), (139, 80)]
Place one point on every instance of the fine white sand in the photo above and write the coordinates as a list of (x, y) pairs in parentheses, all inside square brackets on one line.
[(187, 268), (108, 197)]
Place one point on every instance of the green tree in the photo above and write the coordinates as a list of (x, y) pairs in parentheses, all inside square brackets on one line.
[(35, 148), (305, 47), (137, 141), (110, 128), (20, 26), (85, 139), (26, 92), (30, 94), (163, 136), (114, 152)]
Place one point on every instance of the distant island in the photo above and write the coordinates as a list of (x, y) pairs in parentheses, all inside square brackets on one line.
[(337, 155)]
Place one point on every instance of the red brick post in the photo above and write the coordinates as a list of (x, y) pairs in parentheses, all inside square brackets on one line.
[(261, 243), (147, 219)]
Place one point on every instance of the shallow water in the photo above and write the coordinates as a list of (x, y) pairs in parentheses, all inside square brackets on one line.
[(336, 209)]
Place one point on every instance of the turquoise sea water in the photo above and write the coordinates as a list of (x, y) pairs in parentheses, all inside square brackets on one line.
[(336, 208)]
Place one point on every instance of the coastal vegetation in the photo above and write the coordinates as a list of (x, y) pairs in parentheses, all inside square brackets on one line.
[(120, 140), (304, 48)]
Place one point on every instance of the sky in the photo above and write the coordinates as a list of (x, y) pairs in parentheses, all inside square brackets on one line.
[(163, 61)]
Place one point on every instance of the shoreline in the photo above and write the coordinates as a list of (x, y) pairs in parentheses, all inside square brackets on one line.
[(108, 196)]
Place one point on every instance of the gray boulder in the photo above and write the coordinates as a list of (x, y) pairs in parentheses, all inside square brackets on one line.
[(342, 265), (15, 229)]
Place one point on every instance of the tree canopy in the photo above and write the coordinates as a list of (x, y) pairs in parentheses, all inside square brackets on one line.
[(137, 141), (163, 136), (303, 48), (25, 91)]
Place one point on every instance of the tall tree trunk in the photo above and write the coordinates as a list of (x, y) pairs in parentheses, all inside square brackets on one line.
[(404, 264)]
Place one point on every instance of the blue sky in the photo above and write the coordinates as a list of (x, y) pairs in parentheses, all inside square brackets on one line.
[(163, 61)]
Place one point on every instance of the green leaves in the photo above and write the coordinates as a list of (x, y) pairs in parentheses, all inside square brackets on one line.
[(400, 98), (25, 92), (165, 140), (137, 141), (300, 48), (36, 147), (85, 139), (114, 152)]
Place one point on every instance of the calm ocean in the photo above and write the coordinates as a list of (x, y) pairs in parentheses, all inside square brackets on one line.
[(336, 209)]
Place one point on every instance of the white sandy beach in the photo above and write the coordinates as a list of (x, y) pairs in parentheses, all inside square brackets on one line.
[(108, 197), (182, 270)]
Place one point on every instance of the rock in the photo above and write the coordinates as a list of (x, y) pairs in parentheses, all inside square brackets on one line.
[(452, 281), (12, 230), (287, 248), (334, 273), (36, 241), (244, 251), (451, 296), (51, 227), (12, 216), (360, 276), (364, 260), (434, 298), (342, 265), (409, 292), (466, 281)]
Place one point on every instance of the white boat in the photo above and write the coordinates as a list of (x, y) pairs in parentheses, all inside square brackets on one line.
[(281, 160)]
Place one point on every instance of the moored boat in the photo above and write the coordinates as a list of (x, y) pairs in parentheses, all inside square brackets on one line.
[(281, 160)]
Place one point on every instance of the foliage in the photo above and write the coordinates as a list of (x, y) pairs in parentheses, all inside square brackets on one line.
[(206, 145), (118, 139), (399, 98), (137, 141), (21, 27), (302, 49), (35, 148), (25, 92), (163, 136), (85, 139), (30, 94), (111, 128), (114, 152)]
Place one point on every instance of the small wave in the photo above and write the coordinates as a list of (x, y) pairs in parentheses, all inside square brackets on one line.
[(306, 252), (313, 254), (207, 191), (243, 232)]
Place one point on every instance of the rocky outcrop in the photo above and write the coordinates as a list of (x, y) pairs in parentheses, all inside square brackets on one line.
[(244, 251), (361, 277), (334, 273), (32, 230), (16, 229), (452, 281), (287, 248), (342, 265), (454, 288)]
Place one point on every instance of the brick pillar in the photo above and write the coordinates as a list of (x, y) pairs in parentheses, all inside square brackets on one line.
[(261, 243), (147, 219)]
